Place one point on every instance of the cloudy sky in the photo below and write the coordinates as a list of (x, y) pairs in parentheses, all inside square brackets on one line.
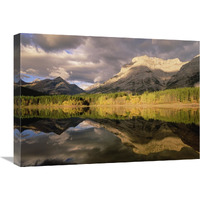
[(88, 60)]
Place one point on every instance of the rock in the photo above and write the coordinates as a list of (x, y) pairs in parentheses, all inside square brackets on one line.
[(187, 76), (142, 74), (55, 86)]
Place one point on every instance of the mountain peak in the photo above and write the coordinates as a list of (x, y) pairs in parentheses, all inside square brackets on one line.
[(155, 59), (146, 73), (197, 56), (55, 86), (58, 79), (154, 63)]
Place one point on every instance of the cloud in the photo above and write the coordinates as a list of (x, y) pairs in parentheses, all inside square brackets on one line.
[(81, 84), (52, 42), (184, 50), (84, 145), (97, 79), (24, 75), (31, 71), (56, 72), (59, 139), (93, 59)]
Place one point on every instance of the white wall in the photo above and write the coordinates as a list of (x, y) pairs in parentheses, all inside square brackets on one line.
[(144, 19)]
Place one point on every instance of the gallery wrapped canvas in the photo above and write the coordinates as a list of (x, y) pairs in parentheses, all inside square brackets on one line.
[(81, 99)]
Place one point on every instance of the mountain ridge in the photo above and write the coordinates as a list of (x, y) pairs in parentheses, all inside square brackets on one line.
[(142, 74), (188, 75), (56, 86)]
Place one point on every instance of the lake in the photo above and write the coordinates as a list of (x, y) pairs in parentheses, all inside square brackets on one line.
[(106, 134)]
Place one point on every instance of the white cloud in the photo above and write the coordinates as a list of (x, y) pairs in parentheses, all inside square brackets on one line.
[(97, 79), (59, 139), (81, 84), (59, 72), (85, 85), (31, 71), (93, 59)]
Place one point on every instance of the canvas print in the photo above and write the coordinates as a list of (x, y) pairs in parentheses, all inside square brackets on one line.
[(82, 99)]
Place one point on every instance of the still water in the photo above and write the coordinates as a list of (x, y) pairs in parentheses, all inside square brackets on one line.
[(105, 134)]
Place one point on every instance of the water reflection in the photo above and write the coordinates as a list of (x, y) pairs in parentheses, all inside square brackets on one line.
[(93, 137)]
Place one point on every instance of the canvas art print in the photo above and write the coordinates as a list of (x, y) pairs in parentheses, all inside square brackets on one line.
[(81, 99)]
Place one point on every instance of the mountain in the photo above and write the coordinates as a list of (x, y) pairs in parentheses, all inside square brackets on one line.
[(187, 76), (153, 138), (142, 74), (36, 80), (92, 87), (20, 88), (57, 126), (24, 91), (21, 82), (55, 86)]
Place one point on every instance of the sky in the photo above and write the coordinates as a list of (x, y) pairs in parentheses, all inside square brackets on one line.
[(84, 60), (84, 143)]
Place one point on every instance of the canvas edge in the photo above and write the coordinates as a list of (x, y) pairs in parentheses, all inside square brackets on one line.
[(17, 79)]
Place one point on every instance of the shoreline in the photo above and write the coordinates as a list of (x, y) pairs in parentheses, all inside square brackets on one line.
[(173, 105)]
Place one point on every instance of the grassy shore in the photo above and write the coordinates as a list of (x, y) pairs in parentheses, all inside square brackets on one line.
[(177, 114), (171, 105), (180, 97)]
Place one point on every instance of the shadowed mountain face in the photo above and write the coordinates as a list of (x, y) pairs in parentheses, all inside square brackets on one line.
[(25, 91), (48, 86), (138, 80), (55, 86), (187, 76), (151, 74)]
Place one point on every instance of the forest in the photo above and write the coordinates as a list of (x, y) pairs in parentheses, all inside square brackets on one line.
[(179, 95), (186, 115)]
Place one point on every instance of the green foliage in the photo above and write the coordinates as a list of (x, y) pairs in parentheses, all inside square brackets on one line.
[(186, 115), (183, 95), (179, 95)]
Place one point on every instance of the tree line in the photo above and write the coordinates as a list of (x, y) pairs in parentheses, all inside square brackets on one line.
[(179, 95), (186, 115)]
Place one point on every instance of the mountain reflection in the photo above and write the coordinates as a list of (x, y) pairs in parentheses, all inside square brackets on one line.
[(57, 126), (150, 136), (95, 139)]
